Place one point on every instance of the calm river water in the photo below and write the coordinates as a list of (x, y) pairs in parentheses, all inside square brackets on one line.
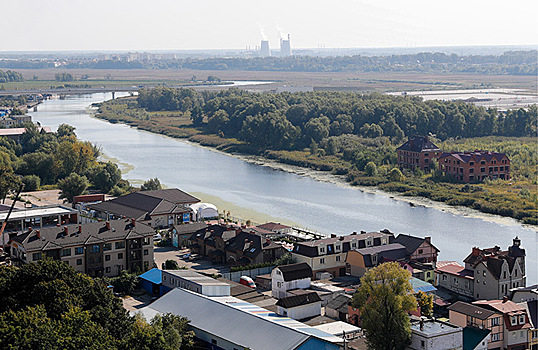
[(321, 206)]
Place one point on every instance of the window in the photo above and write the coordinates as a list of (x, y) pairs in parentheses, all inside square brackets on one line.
[(279, 284), (504, 274), (321, 249), (338, 258), (79, 250), (95, 248), (146, 265), (496, 337), (146, 252), (278, 272), (513, 320), (428, 274), (471, 163), (66, 252), (521, 319), (515, 272), (420, 251), (79, 261), (353, 245), (120, 255), (322, 261), (120, 245), (214, 341), (484, 273), (107, 269), (482, 170), (145, 241), (107, 257), (107, 246), (471, 171), (36, 256), (483, 162), (444, 277), (495, 321), (422, 343)]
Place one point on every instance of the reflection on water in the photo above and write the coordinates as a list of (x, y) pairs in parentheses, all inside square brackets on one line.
[(317, 205)]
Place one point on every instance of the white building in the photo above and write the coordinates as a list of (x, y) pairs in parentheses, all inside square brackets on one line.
[(300, 306), (435, 335), (193, 281), (287, 277)]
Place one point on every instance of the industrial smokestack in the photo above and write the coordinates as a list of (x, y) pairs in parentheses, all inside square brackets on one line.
[(285, 47), (265, 51)]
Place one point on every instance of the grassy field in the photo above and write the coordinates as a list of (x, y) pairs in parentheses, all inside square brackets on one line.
[(516, 198), (365, 82)]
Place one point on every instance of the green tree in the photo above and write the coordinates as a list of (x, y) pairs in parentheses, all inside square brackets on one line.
[(73, 185), (384, 300), (425, 301), (8, 182), (174, 330), (370, 169), (396, 175), (170, 265), (65, 130), (104, 176), (151, 184), (31, 183), (125, 282)]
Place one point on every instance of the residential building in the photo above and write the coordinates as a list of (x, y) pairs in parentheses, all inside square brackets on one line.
[(249, 248), (418, 249), (230, 323), (211, 241), (276, 227), (193, 281), (475, 316), (435, 335), (15, 120), (454, 277), (361, 260), (97, 249), (417, 151), (423, 271), (521, 294), (158, 209), (532, 311), (496, 271), (340, 329), (516, 322), (288, 277), (15, 134), (329, 254), (475, 166), (300, 306)]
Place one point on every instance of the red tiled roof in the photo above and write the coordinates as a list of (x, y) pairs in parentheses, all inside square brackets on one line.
[(454, 268), (475, 156)]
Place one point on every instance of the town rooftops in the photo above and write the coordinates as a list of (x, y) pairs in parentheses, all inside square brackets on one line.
[(388, 252), (339, 303), (299, 300), (494, 258), (272, 226), (238, 322), (503, 306), (195, 277), (20, 214), (473, 336), (532, 311), (50, 238), (411, 243), (419, 144), (433, 327), (475, 156), (454, 268), (295, 271), (20, 131), (471, 310)]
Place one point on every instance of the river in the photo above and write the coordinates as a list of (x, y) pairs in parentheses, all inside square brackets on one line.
[(263, 193)]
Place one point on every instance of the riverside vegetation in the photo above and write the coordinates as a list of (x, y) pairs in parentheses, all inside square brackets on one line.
[(350, 134)]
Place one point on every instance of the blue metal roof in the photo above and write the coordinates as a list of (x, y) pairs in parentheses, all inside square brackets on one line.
[(420, 285), (154, 276)]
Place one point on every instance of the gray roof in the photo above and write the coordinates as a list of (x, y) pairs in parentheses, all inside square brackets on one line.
[(339, 303), (223, 318), (411, 243)]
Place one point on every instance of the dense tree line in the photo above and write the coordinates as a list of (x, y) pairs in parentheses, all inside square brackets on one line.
[(49, 305), (10, 76), (42, 158), (510, 62), (336, 120)]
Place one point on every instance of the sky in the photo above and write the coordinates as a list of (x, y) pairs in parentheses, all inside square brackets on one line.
[(51, 25)]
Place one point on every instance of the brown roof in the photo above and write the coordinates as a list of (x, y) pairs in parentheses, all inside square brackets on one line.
[(419, 144), (272, 226), (471, 310), (295, 271), (454, 268), (476, 156)]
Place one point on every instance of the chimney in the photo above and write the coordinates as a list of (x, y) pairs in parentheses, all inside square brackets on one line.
[(428, 239), (476, 251), (353, 233), (58, 225), (107, 225), (66, 230), (341, 238), (505, 299), (79, 228), (421, 324), (363, 232), (333, 235), (133, 222), (38, 234)]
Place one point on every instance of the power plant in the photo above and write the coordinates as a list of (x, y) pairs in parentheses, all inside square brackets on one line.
[(264, 49), (285, 47)]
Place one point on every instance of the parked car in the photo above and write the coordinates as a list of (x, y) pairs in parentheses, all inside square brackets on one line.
[(186, 256), (247, 281), (194, 257)]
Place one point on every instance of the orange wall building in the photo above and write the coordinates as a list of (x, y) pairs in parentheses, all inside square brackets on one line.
[(475, 166)]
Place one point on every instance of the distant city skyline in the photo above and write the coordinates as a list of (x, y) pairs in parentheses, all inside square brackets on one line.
[(136, 25)]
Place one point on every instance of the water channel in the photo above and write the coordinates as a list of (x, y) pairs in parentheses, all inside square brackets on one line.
[(263, 192)]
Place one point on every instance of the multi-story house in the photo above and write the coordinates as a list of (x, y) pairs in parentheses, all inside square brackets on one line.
[(289, 277), (159, 208), (418, 249), (475, 166), (418, 151), (477, 317), (454, 277), (496, 271), (97, 249), (361, 260), (516, 322), (249, 248), (532, 311), (329, 254)]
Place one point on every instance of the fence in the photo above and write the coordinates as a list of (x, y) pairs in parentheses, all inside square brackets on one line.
[(235, 276)]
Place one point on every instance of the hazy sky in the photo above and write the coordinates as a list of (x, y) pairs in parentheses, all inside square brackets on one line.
[(220, 24)]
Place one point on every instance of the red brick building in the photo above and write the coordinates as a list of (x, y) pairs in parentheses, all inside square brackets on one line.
[(475, 166), (418, 151)]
